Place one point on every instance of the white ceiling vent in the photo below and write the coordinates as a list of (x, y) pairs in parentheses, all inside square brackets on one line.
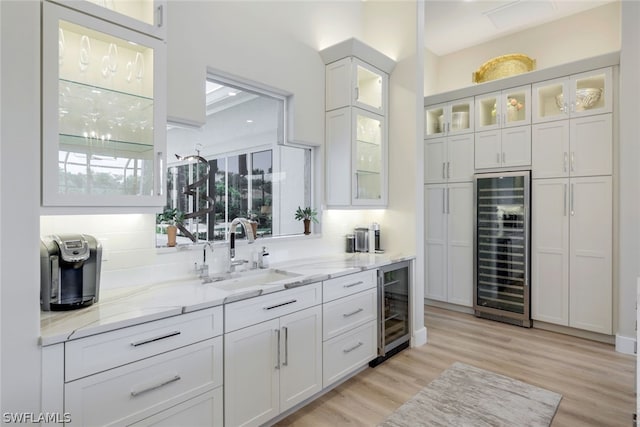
[(520, 13)]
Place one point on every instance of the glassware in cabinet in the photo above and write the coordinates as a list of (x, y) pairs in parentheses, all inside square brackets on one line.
[(102, 113), (145, 16), (368, 184)]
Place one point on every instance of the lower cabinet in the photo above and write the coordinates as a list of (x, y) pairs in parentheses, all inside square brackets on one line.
[(571, 252), (273, 365), (449, 243)]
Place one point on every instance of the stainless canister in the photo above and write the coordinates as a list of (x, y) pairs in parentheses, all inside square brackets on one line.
[(362, 239)]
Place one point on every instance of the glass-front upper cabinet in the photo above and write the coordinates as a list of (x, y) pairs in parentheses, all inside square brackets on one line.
[(573, 96), (510, 107), (104, 113), (368, 151), (448, 119), (146, 16), (352, 82)]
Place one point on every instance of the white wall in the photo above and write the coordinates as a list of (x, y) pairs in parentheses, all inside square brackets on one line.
[(20, 192), (584, 35)]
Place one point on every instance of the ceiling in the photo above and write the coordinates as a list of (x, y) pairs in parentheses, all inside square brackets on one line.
[(453, 25)]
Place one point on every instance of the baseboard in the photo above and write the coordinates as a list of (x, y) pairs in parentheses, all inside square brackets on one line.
[(625, 345), (593, 336), (419, 337), (448, 306)]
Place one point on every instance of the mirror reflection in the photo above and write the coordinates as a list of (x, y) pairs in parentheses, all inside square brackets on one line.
[(251, 172)]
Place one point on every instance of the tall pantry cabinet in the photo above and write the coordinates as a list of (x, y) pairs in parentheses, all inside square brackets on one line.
[(572, 202), (448, 198)]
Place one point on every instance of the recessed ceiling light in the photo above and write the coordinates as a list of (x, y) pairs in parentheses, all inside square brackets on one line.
[(249, 121), (232, 93)]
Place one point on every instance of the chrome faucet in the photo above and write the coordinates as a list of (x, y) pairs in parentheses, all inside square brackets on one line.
[(203, 269), (232, 240)]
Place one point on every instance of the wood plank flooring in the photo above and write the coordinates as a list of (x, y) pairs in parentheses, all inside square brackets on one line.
[(597, 384)]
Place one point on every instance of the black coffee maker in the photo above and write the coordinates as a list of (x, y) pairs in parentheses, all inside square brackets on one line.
[(69, 271)]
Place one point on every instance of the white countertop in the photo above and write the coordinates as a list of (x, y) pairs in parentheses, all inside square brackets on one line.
[(130, 306)]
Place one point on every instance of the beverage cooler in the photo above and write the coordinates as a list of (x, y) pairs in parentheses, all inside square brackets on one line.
[(501, 249), (393, 310)]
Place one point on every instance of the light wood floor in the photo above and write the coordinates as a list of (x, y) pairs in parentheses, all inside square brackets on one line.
[(597, 384)]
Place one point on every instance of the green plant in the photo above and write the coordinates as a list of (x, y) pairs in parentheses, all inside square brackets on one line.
[(306, 213), (170, 216)]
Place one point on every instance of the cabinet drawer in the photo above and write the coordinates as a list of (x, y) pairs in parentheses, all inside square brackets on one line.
[(202, 411), (349, 312), (347, 285), (348, 352), (256, 310), (141, 389), (100, 352)]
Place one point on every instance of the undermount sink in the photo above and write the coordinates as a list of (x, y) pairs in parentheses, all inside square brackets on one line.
[(241, 280)]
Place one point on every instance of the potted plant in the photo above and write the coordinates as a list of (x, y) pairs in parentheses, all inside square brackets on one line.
[(171, 217), (306, 215)]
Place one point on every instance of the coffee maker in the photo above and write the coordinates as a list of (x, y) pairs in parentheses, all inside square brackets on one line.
[(69, 271)]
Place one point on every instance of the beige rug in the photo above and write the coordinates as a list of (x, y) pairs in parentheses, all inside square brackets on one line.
[(464, 395)]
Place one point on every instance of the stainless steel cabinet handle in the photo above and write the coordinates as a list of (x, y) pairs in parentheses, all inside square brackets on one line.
[(351, 285), (448, 169), (443, 170), (160, 16), (564, 199), (357, 93), (350, 349), (173, 379), (504, 157), (573, 212), (448, 198), (286, 346), (444, 201), (564, 164), (573, 161), (278, 359), (154, 339), (498, 158), (353, 312), (271, 307)]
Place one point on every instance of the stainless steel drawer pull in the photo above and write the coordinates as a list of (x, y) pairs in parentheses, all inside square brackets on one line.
[(280, 305), (349, 350), (353, 312), (354, 284), (175, 378), (154, 339)]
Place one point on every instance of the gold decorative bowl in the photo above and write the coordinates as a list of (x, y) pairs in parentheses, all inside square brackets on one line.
[(503, 66), (585, 98)]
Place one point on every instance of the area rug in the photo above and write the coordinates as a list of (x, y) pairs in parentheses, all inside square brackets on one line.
[(464, 395)]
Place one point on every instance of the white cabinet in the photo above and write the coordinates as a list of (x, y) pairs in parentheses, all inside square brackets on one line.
[(572, 226), (577, 95), (574, 147), (148, 373), (356, 159), (352, 82), (145, 16), (497, 110), (350, 316), (503, 148), (103, 112), (273, 365), (449, 159), (449, 243), (452, 118)]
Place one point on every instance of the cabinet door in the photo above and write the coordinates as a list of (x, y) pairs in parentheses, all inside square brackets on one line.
[(371, 86), (338, 157), (550, 251), (591, 143), (515, 104), (148, 17), (487, 111), (338, 85), (550, 100), (104, 113), (460, 243), (300, 356), (435, 242), (516, 146), (368, 159), (591, 92), (251, 374), (488, 150), (460, 117), (435, 120), (435, 160), (590, 286), (460, 160), (550, 149)]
